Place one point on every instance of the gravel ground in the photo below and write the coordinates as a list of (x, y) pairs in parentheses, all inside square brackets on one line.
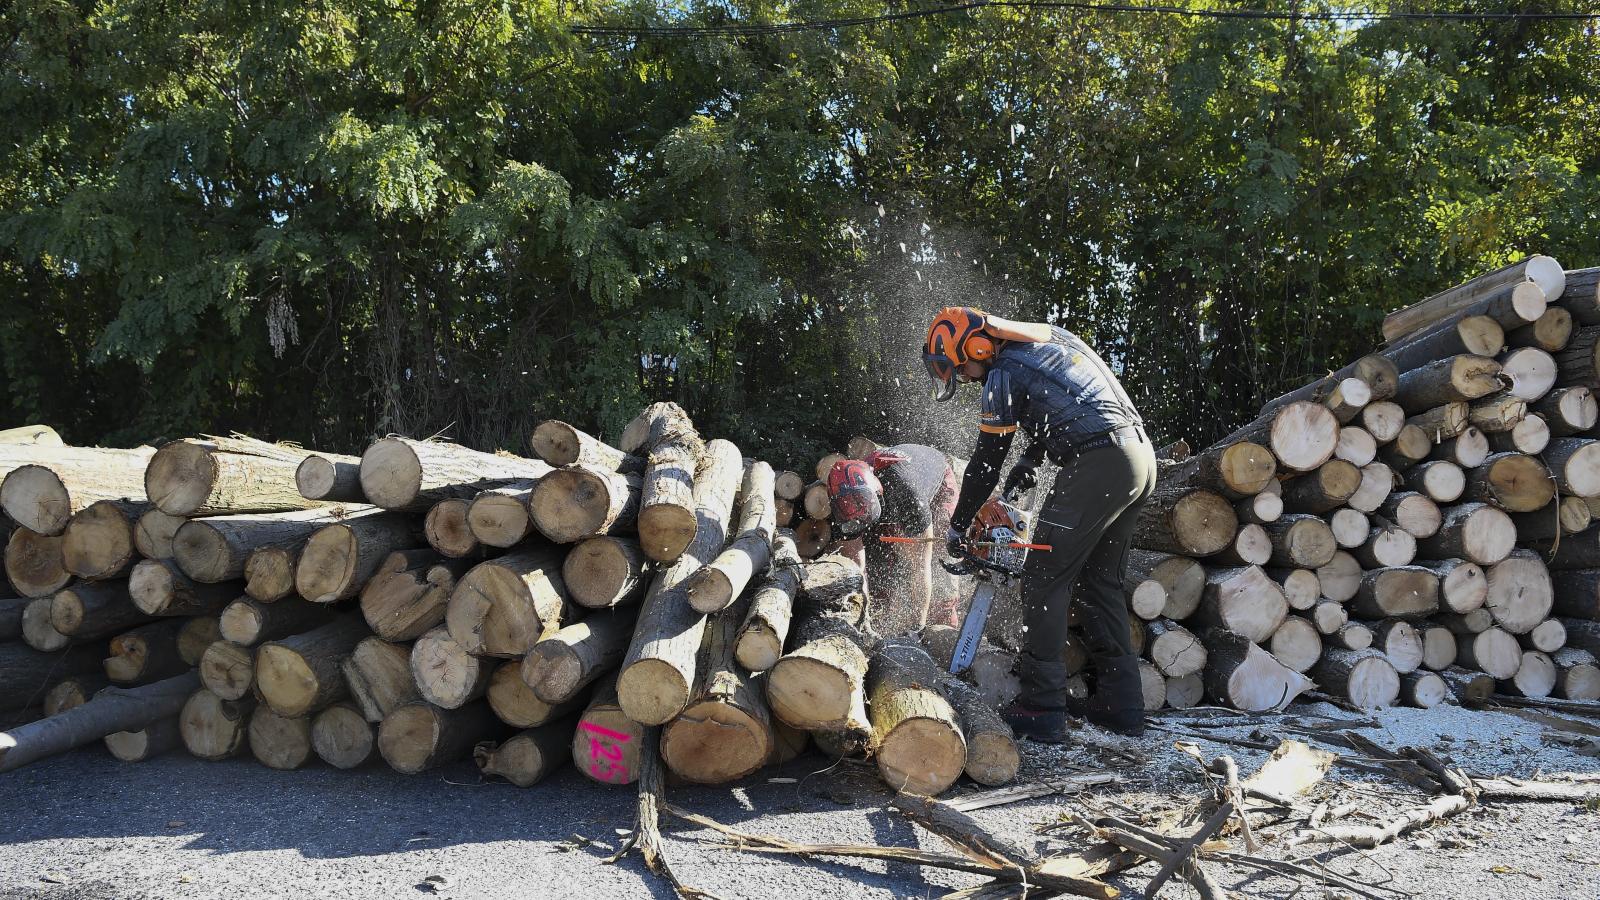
[(85, 826)]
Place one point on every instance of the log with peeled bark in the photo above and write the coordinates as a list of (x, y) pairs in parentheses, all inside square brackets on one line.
[(1442, 422), (299, 675), (111, 711), (410, 593), (1579, 364), (1514, 294), (248, 622), (1547, 636), (715, 586), (1410, 447), (377, 675), (1364, 677), (37, 630), (42, 487), (725, 731), (446, 530), (1383, 420), (1296, 644), (332, 477), (38, 435), (228, 669), (1182, 578), (527, 757), (403, 474), (33, 563), (1235, 470), (766, 625), (1356, 446), (499, 517), (1301, 541), (209, 475), (1478, 335), (1329, 616), (1400, 642), (666, 519), (1576, 593), (1530, 371), (1386, 546), (71, 693), (606, 744), (338, 559), (195, 635), (279, 742), (1259, 509), (1492, 651), (1340, 578), (1521, 592), (213, 728), (1242, 675), (515, 703), (1377, 482), (1551, 332), (1350, 528), (818, 684), (1301, 587), (916, 736), (1301, 435), (90, 610), (1416, 513), (1575, 465), (1375, 372), (503, 606), (97, 543), (559, 667), (153, 533), (1577, 674), (1402, 592), (159, 588), (561, 444), (149, 742), (1323, 490), (1243, 600), (1473, 531), (1174, 649), (606, 571), (1438, 647), (1250, 547), (417, 737), (658, 672), (1463, 586), (145, 654), (446, 674), (1530, 436), (579, 502), (1469, 687), (1186, 522), (269, 573), (1440, 480), (342, 737), (217, 548), (1568, 410), (1535, 677), (1453, 379), (1468, 449), (1423, 690)]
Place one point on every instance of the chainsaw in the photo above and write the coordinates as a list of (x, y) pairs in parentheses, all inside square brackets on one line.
[(998, 542)]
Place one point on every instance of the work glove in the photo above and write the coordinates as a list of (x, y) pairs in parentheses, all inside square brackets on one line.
[(1020, 479), (955, 542)]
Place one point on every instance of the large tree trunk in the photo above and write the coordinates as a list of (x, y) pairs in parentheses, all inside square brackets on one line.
[(1513, 295), (38, 631), (98, 542), (147, 653), (338, 559), (1577, 675), (1409, 447), (1440, 480), (279, 742), (516, 704), (560, 444), (446, 530), (1530, 435), (217, 548), (1468, 687), (111, 711), (248, 622), (606, 745), (1301, 435), (1386, 546), (1187, 522), (161, 589), (766, 626), (506, 605), (725, 732), (1402, 592), (606, 571), (1235, 470), (342, 737), (195, 635), (1244, 601), (658, 671), (716, 586), (1478, 335), (140, 744), (27, 674), (378, 676), (1377, 481), (446, 674), (417, 737), (1442, 422), (1575, 465), (331, 477), (525, 758), (300, 674), (410, 593), (499, 517), (1400, 642), (87, 610), (1472, 531), (1323, 490), (404, 474), (269, 573), (1301, 587), (1259, 509), (42, 487), (72, 693), (1531, 373), (1450, 380), (667, 518), (1246, 677), (916, 737), (579, 502), (33, 563), (1468, 449), (1296, 644), (214, 728), (1175, 650), (209, 475), (559, 667), (1364, 677), (1536, 676), (819, 683)]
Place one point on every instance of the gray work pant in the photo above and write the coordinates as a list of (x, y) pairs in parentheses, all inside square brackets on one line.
[(1089, 518)]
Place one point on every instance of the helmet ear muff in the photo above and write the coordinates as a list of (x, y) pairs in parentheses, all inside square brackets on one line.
[(979, 348)]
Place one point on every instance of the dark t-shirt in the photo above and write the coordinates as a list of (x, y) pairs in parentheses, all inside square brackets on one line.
[(912, 488)]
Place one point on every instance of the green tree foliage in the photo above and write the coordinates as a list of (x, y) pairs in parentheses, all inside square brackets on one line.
[(325, 220)]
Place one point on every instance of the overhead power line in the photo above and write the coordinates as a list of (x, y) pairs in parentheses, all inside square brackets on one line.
[(766, 28)]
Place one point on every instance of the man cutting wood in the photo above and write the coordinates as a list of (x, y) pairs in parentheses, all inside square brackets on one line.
[(907, 490), (1049, 383)]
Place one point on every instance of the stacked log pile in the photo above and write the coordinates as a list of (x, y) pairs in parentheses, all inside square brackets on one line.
[(1401, 530)]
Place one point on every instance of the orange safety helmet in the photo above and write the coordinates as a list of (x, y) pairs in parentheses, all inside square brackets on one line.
[(958, 335)]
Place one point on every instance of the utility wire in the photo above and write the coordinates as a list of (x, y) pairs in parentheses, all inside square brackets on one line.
[(766, 28)]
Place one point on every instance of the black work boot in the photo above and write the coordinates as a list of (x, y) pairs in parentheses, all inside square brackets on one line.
[(1118, 701), (1046, 726)]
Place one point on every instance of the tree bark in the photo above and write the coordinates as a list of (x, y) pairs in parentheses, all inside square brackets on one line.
[(818, 684), (1440, 481), (330, 477), (1479, 335), (1423, 690), (1376, 372), (140, 744), (87, 610), (1551, 332), (1246, 677), (160, 589), (403, 474), (210, 475), (1186, 522), (766, 625), (1416, 513), (1442, 422), (1301, 435), (1579, 364), (1463, 587), (1470, 688), (1400, 642), (1577, 593), (1568, 411), (1323, 490), (560, 444), (1235, 470), (145, 654), (195, 635), (111, 711), (377, 675), (447, 675), (1182, 578), (579, 502), (504, 606), (410, 593), (300, 674), (417, 737), (1513, 295), (27, 674), (667, 522), (1301, 541), (559, 667)]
